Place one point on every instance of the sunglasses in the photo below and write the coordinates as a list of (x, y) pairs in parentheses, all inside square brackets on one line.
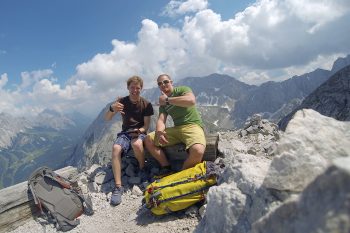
[(166, 81)]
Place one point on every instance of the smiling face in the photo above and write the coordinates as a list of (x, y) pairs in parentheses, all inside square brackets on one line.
[(165, 84), (134, 90)]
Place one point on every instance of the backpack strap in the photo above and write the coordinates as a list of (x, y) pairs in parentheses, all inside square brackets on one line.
[(187, 180), (39, 172), (65, 183), (87, 203), (154, 201), (35, 198)]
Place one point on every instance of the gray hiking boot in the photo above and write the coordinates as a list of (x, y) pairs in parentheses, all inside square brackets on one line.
[(116, 197)]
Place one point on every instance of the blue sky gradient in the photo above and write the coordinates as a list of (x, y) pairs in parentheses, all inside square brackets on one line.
[(59, 34)]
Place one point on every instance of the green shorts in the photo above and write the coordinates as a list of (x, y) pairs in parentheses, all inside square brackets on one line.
[(188, 134)]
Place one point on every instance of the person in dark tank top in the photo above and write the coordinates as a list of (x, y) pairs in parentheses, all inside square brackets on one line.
[(136, 114)]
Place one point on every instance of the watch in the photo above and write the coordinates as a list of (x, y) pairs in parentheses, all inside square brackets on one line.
[(110, 108), (167, 101)]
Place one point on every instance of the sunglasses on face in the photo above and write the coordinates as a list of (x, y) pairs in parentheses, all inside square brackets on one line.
[(166, 81)]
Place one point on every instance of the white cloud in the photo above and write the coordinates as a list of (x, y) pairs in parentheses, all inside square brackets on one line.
[(157, 50), (47, 88), (316, 12), (269, 40), (321, 61), (174, 7), (3, 80), (266, 38), (39, 90), (48, 94), (30, 78)]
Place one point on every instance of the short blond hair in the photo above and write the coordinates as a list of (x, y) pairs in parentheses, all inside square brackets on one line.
[(135, 79)]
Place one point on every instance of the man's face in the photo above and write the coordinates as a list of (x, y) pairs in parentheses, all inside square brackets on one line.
[(165, 84), (135, 89)]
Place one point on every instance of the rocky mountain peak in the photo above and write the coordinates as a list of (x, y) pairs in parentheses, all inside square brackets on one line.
[(331, 99), (10, 127), (340, 63), (292, 189), (50, 118)]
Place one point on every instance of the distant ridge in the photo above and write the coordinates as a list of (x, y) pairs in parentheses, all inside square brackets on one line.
[(331, 99), (273, 100), (224, 102)]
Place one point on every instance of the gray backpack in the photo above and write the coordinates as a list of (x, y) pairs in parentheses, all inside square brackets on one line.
[(57, 200)]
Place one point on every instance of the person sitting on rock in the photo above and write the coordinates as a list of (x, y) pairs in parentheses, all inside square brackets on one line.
[(179, 103), (136, 114)]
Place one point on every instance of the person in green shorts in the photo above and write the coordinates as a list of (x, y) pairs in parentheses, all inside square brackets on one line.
[(178, 102)]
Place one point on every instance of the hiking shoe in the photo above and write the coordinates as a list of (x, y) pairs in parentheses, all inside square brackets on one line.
[(116, 197), (143, 175)]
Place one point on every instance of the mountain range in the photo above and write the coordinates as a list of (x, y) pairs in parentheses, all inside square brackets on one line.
[(273, 100), (28, 143), (331, 99), (224, 103)]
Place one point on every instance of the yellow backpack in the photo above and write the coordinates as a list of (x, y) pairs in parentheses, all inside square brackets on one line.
[(180, 190)]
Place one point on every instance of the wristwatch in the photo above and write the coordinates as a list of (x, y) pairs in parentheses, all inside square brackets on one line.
[(167, 101), (110, 108)]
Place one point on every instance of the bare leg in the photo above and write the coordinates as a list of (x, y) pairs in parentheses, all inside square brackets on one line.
[(196, 152), (156, 152), (116, 164), (137, 146)]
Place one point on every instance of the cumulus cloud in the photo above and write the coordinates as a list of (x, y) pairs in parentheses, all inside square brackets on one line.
[(39, 90), (3, 80), (317, 13), (269, 40), (158, 50), (270, 37), (30, 78), (175, 8)]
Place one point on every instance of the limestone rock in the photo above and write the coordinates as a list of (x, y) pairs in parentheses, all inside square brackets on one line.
[(324, 206), (310, 143)]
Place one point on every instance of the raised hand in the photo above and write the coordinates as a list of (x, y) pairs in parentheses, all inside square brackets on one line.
[(117, 106), (162, 98)]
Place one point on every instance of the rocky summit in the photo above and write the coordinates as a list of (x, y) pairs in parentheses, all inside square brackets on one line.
[(272, 181), (303, 187), (331, 99)]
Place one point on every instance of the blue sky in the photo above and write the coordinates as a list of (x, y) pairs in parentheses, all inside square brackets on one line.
[(60, 34), (69, 54)]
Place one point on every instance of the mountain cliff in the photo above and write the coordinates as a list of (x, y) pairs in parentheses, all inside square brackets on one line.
[(95, 146), (27, 143), (331, 99), (10, 127), (271, 97)]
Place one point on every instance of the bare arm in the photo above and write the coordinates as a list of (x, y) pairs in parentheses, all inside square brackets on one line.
[(160, 127), (109, 115), (117, 107), (186, 100), (145, 127)]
